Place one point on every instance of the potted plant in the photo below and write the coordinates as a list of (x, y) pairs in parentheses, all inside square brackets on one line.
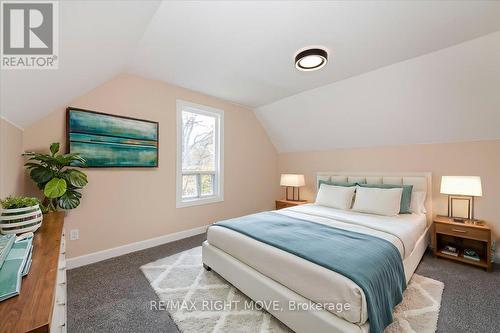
[(19, 215), (60, 183)]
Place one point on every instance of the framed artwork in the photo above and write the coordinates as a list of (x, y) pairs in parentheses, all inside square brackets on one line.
[(106, 140)]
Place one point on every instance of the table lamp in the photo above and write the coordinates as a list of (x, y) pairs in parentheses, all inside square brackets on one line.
[(295, 182), (461, 191)]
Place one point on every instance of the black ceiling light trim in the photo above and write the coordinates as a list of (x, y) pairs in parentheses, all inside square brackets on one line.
[(320, 55)]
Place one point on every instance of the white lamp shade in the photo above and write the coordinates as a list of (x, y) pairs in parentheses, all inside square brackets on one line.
[(462, 185), (292, 180)]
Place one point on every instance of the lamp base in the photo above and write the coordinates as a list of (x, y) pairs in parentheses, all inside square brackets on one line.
[(293, 194), (461, 208)]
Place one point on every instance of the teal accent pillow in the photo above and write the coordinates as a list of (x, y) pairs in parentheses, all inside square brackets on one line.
[(405, 196), (345, 184)]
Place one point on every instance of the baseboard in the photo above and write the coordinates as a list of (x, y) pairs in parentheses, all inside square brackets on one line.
[(132, 247)]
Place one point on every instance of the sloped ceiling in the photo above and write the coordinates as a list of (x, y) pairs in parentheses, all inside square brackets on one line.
[(446, 96), (243, 51), (96, 40), (239, 51)]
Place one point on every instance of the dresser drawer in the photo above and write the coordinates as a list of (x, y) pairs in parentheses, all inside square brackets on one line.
[(58, 324), (464, 232)]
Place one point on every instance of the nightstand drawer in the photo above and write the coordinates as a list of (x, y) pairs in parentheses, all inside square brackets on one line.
[(281, 205), (464, 232)]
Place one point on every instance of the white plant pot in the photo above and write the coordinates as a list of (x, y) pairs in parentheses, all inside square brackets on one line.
[(20, 220)]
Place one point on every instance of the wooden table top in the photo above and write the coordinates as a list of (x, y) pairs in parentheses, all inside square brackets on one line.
[(468, 223), (293, 202), (31, 310)]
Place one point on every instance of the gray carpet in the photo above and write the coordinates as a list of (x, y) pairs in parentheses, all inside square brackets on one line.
[(114, 295)]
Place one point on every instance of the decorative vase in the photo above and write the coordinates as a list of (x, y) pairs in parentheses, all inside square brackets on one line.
[(20, 220)]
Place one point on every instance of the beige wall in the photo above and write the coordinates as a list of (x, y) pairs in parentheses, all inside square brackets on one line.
[(480, 158), (121, 206), (11, 161)]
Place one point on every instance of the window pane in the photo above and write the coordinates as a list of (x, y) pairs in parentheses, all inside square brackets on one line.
[(207, 185), (189, 186), (198, 138)]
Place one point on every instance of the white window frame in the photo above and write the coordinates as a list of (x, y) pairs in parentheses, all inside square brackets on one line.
[(218, 195)]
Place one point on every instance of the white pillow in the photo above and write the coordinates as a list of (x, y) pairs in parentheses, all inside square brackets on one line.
[(335, 196), (381, 201), (417, 204)]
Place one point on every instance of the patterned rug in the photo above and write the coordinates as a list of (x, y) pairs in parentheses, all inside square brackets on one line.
[(203, 302)]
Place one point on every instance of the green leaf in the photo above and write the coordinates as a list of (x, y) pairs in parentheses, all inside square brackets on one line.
[(41, 175), (76, 178), (55, 188), (45, 160), (30, 165), (70, 159), (51, 174), (70, 199), (54, 148), (18, 202)]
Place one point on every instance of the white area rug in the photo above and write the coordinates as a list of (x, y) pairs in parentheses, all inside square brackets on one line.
[(190, 293)]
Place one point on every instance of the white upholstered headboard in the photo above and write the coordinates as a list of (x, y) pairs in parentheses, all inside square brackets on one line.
[(421, 181)]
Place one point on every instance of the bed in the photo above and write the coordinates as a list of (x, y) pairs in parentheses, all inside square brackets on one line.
[(266, 273)]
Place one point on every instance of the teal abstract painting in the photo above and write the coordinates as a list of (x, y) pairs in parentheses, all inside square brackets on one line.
[(106, 140)]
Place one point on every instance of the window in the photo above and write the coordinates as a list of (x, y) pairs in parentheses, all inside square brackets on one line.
[(199, 154)]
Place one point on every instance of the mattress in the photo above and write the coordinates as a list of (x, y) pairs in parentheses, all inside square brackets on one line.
[(312, 281)]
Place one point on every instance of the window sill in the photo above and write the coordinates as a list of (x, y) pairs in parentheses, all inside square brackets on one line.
[(198, 202)]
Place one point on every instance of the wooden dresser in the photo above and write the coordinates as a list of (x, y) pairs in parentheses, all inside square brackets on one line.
[(41, 305)]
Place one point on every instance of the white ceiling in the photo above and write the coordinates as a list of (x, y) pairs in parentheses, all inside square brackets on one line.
[(446, 96), (243, 51), (239, 51), (96, 39)]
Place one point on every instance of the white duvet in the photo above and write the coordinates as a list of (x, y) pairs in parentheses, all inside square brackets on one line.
[(310, 280)]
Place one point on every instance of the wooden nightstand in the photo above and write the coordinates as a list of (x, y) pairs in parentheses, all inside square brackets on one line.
[(280, 204), (473, 235)]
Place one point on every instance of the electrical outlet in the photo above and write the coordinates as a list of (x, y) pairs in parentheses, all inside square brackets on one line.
[(74, 234)]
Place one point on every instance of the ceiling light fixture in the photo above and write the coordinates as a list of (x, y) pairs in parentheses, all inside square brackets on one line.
[(311, 59)]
